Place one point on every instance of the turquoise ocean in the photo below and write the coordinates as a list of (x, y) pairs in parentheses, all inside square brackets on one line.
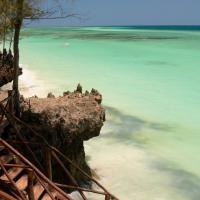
[(149, 148)]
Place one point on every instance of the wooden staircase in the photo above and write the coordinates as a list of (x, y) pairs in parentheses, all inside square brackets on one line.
[(25, 178), (20, 179)]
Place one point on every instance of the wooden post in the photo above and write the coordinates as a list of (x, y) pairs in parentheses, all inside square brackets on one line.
[(30, 184), (48, 162), (107, 197), (68, 174), (11, 103)]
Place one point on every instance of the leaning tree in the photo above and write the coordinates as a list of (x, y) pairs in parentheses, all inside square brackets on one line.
[(31, 10)]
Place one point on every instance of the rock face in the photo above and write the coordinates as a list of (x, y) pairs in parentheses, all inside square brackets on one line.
[(66, 122), (6, 74)]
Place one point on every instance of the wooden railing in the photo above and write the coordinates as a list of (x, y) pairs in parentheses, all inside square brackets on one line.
[(51, 154), (55, 155), (10, 117), (7, 104), (34, 175)]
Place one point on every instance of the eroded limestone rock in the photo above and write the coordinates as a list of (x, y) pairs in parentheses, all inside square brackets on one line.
[(66, 122)]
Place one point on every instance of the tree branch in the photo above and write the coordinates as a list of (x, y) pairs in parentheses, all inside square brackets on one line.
[(57, 17)]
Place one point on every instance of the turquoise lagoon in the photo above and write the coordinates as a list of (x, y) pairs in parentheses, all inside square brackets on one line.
[(150, 81)]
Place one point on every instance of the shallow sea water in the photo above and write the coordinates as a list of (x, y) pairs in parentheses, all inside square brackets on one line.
[(149, 146)]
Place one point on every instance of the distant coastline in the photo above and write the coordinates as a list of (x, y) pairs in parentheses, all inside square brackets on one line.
[(164, 27), (145, 27)]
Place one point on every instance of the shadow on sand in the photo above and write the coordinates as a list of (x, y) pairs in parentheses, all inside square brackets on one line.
[(187, 183), (123, 127)]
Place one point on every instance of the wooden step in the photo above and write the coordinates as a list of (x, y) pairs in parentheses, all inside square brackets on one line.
[(55, 195), (38, 190), (22, 182), (46, 197), (13, 173)]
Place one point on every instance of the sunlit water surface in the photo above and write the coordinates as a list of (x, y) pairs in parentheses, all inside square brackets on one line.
[(150, 81)]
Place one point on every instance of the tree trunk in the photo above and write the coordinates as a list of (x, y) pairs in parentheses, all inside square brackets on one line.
[(11, 40), (17, 28), (4, 38), (4, 35)]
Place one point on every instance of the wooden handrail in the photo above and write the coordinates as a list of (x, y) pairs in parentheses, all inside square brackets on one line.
[(21, 137), (54, 152), (11, 181), (39, 174), (84, 173), (68, 174), (45, 187), (80, 188), (9, 103), (6, 196)]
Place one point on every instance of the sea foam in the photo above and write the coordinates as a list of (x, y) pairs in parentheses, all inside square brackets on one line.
[(30, 84)]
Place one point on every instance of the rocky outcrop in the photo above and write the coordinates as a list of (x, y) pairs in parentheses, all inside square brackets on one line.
[(6, 74), (66, 122)]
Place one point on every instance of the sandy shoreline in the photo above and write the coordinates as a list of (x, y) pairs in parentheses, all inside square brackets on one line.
[(28, 85)]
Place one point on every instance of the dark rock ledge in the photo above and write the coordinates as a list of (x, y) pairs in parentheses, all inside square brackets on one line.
[(6, 74)]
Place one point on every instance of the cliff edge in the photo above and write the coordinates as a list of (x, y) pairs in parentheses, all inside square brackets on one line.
[(66, 122)]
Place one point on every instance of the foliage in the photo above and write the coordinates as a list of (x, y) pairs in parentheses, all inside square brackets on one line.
[(12, 15), (6, 20)]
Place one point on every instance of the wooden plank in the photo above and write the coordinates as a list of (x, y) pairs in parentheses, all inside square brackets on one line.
[(6, 196), (13, 173), (47, 153), (46, 197), (22, 183), (39, 174), (38, 190), (55, 194), (30, 192)]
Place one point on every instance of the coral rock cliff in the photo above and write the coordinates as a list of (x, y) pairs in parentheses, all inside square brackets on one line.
[(66, 122)]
